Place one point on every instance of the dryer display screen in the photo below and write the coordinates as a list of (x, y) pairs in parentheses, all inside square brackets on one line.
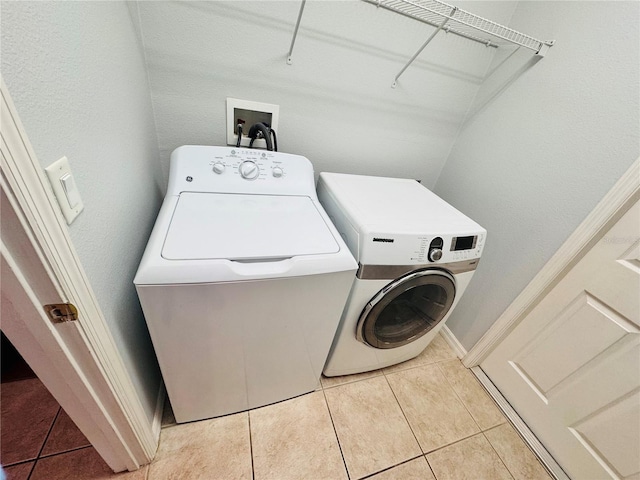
[(463, 243)]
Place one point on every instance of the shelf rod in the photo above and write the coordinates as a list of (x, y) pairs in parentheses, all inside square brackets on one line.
[(295, 33), (502, 62), (442, 24)]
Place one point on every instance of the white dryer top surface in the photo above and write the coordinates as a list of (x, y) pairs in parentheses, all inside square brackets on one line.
[(246, 227), (394, 205)]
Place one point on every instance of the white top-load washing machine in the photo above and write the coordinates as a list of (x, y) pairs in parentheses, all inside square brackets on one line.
[(243, 280), (416, 256)]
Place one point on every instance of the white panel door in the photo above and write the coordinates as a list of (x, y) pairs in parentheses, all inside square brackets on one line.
[(571, 368)]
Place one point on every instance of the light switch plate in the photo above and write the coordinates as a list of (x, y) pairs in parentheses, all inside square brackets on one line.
[(250, 112), (65, 189)]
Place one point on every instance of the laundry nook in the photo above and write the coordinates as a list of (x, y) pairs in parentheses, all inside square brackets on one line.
[(320, 240)]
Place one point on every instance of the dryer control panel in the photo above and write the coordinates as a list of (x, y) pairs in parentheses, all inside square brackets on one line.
[(196, 168), (407, 249)]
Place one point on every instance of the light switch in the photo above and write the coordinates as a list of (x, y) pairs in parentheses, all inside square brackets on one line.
[(65, 189), (73, 197)]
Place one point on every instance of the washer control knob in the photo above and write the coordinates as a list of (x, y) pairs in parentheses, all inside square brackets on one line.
[(249, 170), (277, 172), (218, 167), (435, 254)]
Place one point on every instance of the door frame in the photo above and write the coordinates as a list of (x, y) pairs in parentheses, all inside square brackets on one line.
[(78, 362), (615, 203)]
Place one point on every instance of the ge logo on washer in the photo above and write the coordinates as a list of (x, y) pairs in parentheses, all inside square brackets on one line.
[(189, 179)]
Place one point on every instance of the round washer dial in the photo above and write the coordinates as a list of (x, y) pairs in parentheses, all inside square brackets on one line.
[(249, 170)]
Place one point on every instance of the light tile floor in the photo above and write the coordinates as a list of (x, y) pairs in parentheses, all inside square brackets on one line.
[(426, 419)]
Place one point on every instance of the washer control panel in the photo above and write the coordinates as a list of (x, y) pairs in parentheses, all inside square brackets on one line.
[(197, 168), (249, 164)]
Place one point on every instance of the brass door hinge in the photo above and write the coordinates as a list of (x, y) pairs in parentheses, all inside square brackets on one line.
[(61, 312)]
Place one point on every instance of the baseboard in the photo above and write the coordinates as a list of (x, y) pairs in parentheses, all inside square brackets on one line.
[(453, 342), (518, 424), (156, 426)]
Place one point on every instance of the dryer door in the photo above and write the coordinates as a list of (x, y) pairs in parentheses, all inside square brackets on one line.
[(406, 309)]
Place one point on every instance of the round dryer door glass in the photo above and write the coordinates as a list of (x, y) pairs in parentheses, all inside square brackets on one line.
[(406, 309)]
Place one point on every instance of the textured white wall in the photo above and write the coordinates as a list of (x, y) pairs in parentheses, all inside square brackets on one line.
[(337, 106), (534, 158), (77, 76)]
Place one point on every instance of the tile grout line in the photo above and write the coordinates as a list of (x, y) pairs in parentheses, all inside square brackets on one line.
[(496, 452), (23, 463), (525, 444), (32, 469), (453, 443), (253, 473), (34, 459), (354, 381), (491, 399), (45, 442), (47, 457), (404, 414), (20, 462), (411, 367), (42, 457), (410, 427), (508, 422), (49, 433), (430, 467), (382, 370), (463, 404), (467, 438), (474, 420), (455, 392), (344, 462), (394, 466)]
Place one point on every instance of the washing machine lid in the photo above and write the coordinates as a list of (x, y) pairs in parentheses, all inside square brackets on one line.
[(246, 227)]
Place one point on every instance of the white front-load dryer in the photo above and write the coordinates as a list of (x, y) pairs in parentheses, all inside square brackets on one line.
[(416, 255)]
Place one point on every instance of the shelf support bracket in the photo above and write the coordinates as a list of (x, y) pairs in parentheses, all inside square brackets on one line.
[(544, 48), (295, 33), (444, 22)]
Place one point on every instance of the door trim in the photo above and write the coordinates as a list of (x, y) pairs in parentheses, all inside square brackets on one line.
[(615, 203), (117, 408)]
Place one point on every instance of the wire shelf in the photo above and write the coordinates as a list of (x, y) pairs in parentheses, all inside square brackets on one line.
[(462, 23), (451, 19)]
